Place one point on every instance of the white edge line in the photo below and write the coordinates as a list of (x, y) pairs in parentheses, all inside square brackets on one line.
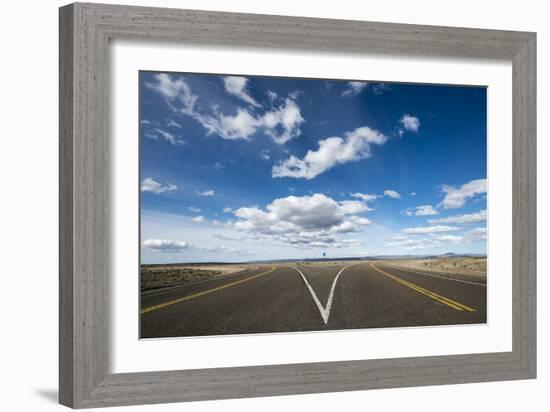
[(433, 275)]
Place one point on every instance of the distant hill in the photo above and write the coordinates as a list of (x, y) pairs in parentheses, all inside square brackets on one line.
[(337, 259)]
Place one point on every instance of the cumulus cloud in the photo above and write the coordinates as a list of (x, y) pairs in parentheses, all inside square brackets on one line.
[(392, 193), (455, 197), (241, 125), (194, 209), (351, 207), (165, 246), (364, 196), (429, 229), (477, 217), (308, 221), (425, 210), (281, 123), (150, 185), (354, 88), (206, 193), (236, 86), (410, 123), (355, 145), (198, 219)]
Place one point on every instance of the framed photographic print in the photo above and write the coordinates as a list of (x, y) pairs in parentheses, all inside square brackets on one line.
[(323, 190), (292, 181)]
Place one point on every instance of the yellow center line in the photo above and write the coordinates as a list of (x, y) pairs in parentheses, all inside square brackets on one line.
[(204, 292), (442, 299)]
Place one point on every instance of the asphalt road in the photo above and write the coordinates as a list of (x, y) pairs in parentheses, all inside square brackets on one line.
[(284, 298)]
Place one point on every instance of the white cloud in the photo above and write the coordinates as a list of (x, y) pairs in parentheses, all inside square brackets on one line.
[(206, 193), (392, 193), (410, 242), (480, 216), (427, 240), (410, 123), (296, 94), (195, 209), (171, 138), (286, 117), (351, 207), (477, 234), (354, 88), (227, 210), (174, 89), (455, 197), (265, 154), (236, 86), (281, 123), (150, 185), (165, 246), (448, 238), (351, 224), (306, 221), (221, 236), (380, 88), (425, 210), (332, 151), (364, 196), (413, 193), (198, 219), (429, 229), (424, 242), (149, 134), (176, 246), (242, 125), (173, 123), (218, 223), (272, 95)]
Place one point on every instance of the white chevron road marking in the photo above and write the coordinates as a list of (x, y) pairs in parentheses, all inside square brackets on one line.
[(324, 310)]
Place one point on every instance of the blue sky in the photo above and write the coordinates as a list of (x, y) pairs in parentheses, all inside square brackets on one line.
[(237, 168)]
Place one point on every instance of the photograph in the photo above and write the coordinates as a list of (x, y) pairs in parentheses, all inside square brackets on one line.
[(280, 204)]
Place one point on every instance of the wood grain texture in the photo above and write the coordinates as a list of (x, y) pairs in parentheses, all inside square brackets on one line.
[(66, 229), (85, 31)]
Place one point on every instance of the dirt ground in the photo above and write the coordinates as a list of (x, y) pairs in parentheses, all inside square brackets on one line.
[(468, 267), (161, 276)]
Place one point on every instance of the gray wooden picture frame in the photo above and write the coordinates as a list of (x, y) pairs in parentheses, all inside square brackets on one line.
[(85, 32)]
